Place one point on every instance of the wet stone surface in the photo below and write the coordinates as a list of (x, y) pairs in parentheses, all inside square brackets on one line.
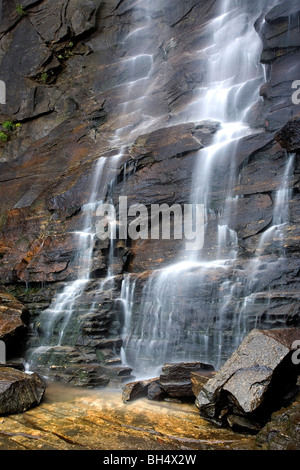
[(72, 419)]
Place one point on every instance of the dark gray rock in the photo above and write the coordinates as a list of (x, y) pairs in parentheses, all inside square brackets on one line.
[(282, 432), (175, 379), (253, 382), (19, 391), (156, 392), (289, 135)]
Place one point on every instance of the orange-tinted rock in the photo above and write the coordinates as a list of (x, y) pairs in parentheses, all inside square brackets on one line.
[(13, 320)]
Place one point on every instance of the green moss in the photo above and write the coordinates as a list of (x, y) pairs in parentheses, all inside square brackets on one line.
[(3, 136), (8, 125), (7, 129), (44, 77), (20, 10)]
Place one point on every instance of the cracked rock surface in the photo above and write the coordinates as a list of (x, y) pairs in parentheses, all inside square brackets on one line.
[(253, 382)]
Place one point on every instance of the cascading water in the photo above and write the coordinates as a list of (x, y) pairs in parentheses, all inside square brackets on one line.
[(162, 325), (165, 326), (58, 325), (271, 242)]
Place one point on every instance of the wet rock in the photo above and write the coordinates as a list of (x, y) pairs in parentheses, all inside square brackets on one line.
[(60, 19), (156, 391), (282, 432), (289, 135), (14, 318), (14, 365), (254, 382), (281, 30), (163, 159), (19, 391), (199, 379), (77, 419), (175, 379), (280, 37), (171, 142), (138, 389)]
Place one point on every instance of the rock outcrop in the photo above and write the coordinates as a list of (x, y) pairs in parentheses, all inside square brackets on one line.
[(289, 135), (282, 432), (74, 88), (176, 381), (14, 318), (19, 391), (256, 380)]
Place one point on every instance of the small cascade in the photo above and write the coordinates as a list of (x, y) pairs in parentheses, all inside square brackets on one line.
[(76, 306), (271, 242), (127, 299), (136, 114), (59, 325), (157, 328), (280, 213)]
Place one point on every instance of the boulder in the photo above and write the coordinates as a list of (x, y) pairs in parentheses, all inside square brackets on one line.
[(138, 389), (19, 391), (175, 379), (255, 381), (13, 320), (14, 365), (282, 432), (156, 392), (199, 379)]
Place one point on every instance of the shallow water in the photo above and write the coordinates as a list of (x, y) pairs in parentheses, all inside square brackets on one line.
[(80, 419)]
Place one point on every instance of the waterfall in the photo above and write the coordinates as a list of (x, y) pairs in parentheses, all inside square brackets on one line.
[(197, 309), (271, 241), (165, 326), (58, 325)]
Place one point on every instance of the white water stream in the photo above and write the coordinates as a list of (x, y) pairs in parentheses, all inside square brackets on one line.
[(164, 326), (160, 326)]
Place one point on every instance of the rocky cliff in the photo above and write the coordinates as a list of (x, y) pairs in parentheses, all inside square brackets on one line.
[(99, 79)]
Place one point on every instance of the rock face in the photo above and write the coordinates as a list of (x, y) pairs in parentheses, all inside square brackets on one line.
[(19, 391), (138, 389), (97, 79), (289, 135), (13, 321), (282, 432), (253, 382)]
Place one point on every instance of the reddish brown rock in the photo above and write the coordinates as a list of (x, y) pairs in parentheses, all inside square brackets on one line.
[(13, 320), (134, 390)]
